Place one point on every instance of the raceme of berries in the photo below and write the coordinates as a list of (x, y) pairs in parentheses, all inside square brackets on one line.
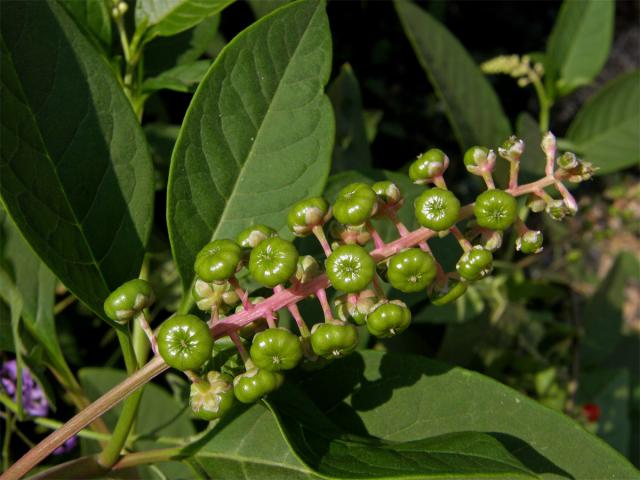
[(356, 265)]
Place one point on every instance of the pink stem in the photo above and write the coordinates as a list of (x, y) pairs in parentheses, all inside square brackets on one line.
[(243, 294), (326, 308), (239, 346), (488, 180), (295, 313), (464, 243), (569, 201), (402, 230), (271, 319), (352, 298), (192, 376), (144, 324), (214, 316), (377, 286), (513, 174), (377, 241), (439, 182), (319, 233)]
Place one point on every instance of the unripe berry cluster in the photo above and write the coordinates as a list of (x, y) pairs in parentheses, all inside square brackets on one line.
[(266, 349)]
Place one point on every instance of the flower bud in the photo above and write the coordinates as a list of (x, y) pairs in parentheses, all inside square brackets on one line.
[(213, 397), (357, 311), (492, 240), (557, 210), (530, 242), (479, 160), (388, 193), (430, 164), (212, 294), (568, 161), (512, 149), (536, 204), (308, 268)]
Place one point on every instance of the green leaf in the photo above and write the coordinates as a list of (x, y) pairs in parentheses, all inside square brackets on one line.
[(182, 78), (472, 106), (532, 162), (25, 274), (164, 53), (351, 150), (268, 135), (247, 445), (169, 17), (6, 337), (579, 43), (94, 16), (159, 416), (605, 131), (404, 398), (335, 453), (264, 7), (75, 173)]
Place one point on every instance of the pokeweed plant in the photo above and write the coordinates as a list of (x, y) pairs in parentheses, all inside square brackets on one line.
[(247, 177)]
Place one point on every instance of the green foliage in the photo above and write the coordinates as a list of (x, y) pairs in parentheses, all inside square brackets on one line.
[(579, 44), (84, 200), (472, 106), (272, 141), (605, 130)]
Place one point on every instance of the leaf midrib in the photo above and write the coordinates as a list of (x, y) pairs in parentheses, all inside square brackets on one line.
[(27, 104)]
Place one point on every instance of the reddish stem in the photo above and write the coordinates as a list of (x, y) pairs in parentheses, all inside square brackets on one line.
[(377, 240), (235, 338), (326, 308), (319, 233), (242, 294), (464, 243)]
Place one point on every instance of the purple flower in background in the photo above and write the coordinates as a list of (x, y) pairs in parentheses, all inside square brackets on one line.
[(33, 397), (67, 446)]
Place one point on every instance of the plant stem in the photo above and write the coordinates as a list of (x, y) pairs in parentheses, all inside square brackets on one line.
[(64, 303), (82, 419), (111, 452), (545, 103), (8, 421)]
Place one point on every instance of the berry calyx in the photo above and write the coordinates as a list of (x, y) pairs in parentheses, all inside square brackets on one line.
[(307, 269), (332, 341), (475, 264), (208, 295), (355, 309), (479, 160), (184, 342), (254, 235), (218, 260), (306, 214), (128, 300), (273, 262), (530, 242), (356, 203), (437, 209), (276, 349), (430, 164), (388, 319), (411, 270), (255, 383), (447, 292), (495, 209), (350, 268), (212, 397)]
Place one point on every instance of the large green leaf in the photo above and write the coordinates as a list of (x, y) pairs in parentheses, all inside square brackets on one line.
[(258, 134), (159, 415), (169, 17), (181, 78), (25, 274), (579, 43), (405, 398), (75, 173), (351, 150), (335, 453), (471, 104), (247, 445), (94, 16), (605, 131)]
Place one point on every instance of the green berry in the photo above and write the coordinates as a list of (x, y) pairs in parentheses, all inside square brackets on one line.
[(411, 270), (475, 264), (428, 165), (273, 262), (307, 214), (184, 342), (212, 294), (212, 397), (255, 383), (452, 290), (128, 300), (276, 349), (350, 268), (530, 242), (495, 209), (333, 341), (476, 157), (388, 319), (356, 203), (252, 236), (389, 195), (218, 260), (437, 209)]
